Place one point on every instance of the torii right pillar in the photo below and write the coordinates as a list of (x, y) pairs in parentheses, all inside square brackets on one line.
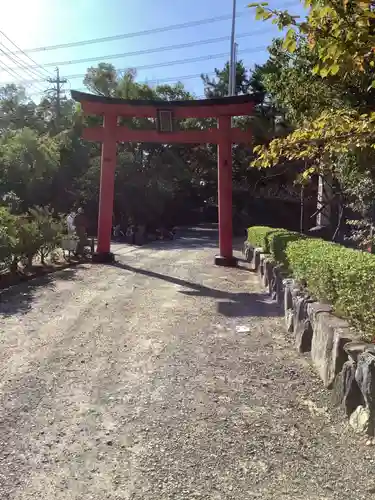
[(226, 257)]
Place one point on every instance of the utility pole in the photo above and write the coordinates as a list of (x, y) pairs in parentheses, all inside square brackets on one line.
[(232, 64), (58, 90), (234, 70)]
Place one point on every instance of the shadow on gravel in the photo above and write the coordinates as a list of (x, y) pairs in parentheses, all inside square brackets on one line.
[(204, 236), (229, 303), (186, 241), (19, 298)]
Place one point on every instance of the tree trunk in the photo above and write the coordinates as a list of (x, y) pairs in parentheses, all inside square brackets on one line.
[(30, 261), (14, 265)]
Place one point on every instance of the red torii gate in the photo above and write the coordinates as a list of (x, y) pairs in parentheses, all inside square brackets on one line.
[(165, 112)]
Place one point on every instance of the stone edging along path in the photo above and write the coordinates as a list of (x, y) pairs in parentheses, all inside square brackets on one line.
[(345, 363)]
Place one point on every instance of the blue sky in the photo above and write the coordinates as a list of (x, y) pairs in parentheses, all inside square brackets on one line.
[(46, 22)]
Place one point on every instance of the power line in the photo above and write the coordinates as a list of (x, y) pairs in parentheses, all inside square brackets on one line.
[(24, 68), (150, 51), (181, 61), (172, 63), (20, 51), (134, 34), (176, 78), (20, 64), (152, 31), (153, 81), (11, 72)]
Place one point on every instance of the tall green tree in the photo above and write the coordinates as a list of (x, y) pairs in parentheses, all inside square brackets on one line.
[(218, 86), (324, 81)]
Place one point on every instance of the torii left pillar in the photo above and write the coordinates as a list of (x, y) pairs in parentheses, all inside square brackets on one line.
[(224, 172), (107, 187)]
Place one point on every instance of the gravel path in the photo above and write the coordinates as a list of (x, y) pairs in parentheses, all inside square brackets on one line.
[(164, 378)]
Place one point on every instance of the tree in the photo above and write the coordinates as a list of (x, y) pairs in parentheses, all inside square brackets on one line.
[(219, 85), (45, 162), (325, 82), (16, 110), (338, 36), (340, 33), (102, 80), (28, 162)]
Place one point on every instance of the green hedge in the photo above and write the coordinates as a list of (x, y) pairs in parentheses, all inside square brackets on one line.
[(273, 241), (257, 236), (340, 276)]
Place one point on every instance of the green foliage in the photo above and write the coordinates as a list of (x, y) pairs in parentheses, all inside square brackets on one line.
[(257, 237), (28, 241), (23, 237), (288, 78), (219, 85), (279, 240), (340, 32), (45, 162), (102, 80), (28, 162), (321, 140), (323, 77), (340, 276), (49, 230), (329, 108), (8, 237), (273, 241)]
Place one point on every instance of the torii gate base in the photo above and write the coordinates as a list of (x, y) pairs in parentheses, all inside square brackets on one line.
[(166, 112)]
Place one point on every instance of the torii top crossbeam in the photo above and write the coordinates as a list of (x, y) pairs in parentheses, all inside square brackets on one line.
[(166, 113), (242, 105), (205, 108)]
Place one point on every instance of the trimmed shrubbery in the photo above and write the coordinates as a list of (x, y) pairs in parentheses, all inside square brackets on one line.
[(340, 276), (273, 241)]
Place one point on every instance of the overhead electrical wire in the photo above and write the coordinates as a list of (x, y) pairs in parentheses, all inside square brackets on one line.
[(175, 79), (28, 72), (172, 63), (11, 72), (21, 65), (20, 51), (36, 66), (36, 69), (180, 61), (163, 29), (149, 51), (132, 35)]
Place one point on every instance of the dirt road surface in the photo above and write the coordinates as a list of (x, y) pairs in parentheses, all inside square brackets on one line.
[(163, 377)]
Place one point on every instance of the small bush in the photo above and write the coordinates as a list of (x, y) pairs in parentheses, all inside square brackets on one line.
[(50, 229), (340, 276), (29, 241), (273, 241), (256, 236), (8, 237), (22, 237)]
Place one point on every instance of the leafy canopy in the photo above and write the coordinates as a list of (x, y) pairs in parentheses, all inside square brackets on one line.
[(339, 40)]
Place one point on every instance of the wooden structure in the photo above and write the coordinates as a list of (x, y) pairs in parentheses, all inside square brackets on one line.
[(166, 113)]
